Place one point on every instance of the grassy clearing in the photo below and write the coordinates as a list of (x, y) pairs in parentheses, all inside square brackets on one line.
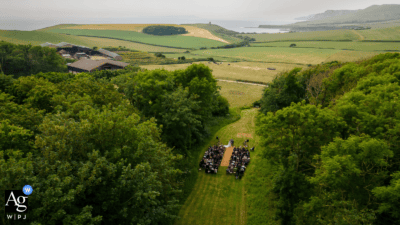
[(300, 56), (359, 46), (333, 35), (251, 71), (390, 33), (37, 37), (220, 199), (171, 41), (351, 56), (240, 95), (40, 37), (193, 31)]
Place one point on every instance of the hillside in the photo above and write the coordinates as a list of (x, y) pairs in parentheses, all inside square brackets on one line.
[(373, 13), (326, 14), (344, 19)]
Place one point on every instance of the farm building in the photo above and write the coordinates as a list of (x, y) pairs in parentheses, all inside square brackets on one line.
[(81, 55), (48, 44), (110, 54), (87, 65)]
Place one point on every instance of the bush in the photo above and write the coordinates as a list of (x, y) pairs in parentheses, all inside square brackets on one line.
[(210, 59), (222, 107), (292, 45), (159, 54)]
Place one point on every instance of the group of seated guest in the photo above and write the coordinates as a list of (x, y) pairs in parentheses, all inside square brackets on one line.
[(212, 159), (239, 160)]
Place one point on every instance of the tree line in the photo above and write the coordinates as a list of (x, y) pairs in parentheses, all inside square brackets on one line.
[(103, 147), (332, 131)]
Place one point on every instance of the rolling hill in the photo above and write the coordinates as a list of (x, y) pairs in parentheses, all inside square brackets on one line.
[(373, 13)]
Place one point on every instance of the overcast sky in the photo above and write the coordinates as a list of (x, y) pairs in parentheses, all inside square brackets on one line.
[(158, 11)]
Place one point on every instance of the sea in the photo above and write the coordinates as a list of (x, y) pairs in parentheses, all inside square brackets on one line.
[(235, 25)]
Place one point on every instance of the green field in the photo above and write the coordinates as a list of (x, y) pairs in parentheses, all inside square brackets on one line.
[(239, 95), (250, 71), (390, 33), (353, 45), (300, 56), (221, 199), (333, 35), (40, 37), (172, 41)]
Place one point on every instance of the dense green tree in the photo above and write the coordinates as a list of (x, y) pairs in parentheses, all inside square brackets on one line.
[(282, 91), (359, 161), (24, 60), (6, 82), (19, 115), (107, 167), (292, 137)]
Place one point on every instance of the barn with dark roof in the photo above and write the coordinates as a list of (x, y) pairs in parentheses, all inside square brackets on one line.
[(110, 54), (87, 65)]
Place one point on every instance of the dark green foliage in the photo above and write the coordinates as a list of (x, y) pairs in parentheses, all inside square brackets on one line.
[(282, 91), (19, 115), (193, 92), (210, 59), (94, 160), (6, 81), (35, 92), (346, 151), (158, 54), (55, 77), (24, 60), (164, 30), (292, 45), (222, 107)]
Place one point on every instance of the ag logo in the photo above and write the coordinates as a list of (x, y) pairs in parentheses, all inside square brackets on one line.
[(16, 201)]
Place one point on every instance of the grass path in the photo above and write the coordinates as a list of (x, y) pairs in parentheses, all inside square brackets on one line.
[(221, 199), (358, 34)]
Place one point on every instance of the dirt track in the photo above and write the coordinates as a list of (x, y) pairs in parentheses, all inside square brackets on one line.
[(227, 156)]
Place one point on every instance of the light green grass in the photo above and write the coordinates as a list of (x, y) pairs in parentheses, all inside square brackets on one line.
[(272, 55), (390, 33), (40, 37), (333, 35), (250, 71), (359, 46), (239, 95), (172, 41), (221, 199)]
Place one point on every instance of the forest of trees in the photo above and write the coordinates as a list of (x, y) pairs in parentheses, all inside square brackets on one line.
[(333, 133), (105, 147)]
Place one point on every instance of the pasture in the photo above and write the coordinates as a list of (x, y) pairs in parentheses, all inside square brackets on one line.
[(250, 71), (240, 95), (40, 37), (389, 34), (332, 35), (340, 45), (221, 199), (271, 54), (193, 31), (170, 41)]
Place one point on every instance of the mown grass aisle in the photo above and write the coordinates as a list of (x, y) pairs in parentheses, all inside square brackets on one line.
[(221, 199)]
